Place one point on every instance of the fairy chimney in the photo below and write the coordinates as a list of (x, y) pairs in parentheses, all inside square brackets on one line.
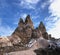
[(29, 22), (21, 23), (42, 27)]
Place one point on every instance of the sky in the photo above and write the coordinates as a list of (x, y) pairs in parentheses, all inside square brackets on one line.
[(47, 11)]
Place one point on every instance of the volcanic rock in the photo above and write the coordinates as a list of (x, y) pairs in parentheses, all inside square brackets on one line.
[(36, 33), (21, 23), (23, 36), (42, 27), (23, 32), (47, 51), (29, 22), (43, 30)]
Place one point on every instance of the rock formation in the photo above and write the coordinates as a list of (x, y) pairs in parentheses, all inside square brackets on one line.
[(43, 30), (24, 31), (29, 22), (42, 27), (25, 37), (47, 51)]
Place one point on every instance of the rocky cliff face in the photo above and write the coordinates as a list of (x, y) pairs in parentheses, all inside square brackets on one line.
[(29, 22), (42, 27), (25, 31), (43, 30), (22, 36)]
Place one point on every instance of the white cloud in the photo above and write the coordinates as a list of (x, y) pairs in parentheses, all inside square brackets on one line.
[(32, 1), (55, 8), (54, 19), (29, 4), (56, 30), (5, 30), (44, 4), (23, 15)]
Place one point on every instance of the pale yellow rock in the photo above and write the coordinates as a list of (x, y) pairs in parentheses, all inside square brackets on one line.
[(5, 42)]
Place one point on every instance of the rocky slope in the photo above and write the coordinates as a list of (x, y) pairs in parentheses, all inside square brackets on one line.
[(25, 39), (25, 32), (48, 51)]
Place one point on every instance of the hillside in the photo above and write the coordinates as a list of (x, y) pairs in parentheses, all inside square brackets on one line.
[(27, 40)]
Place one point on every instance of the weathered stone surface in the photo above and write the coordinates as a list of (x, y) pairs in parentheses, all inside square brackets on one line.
[(21, 24), (29, 51), (52, 49), (22, 38), (5, 42), (45, 35), (43, 30), (23, 32), (42, 27), (29, 22), (49, 37), (47, 51), (36, 33)]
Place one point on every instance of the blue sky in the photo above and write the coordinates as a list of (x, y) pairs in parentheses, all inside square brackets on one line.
[(47, 11)]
